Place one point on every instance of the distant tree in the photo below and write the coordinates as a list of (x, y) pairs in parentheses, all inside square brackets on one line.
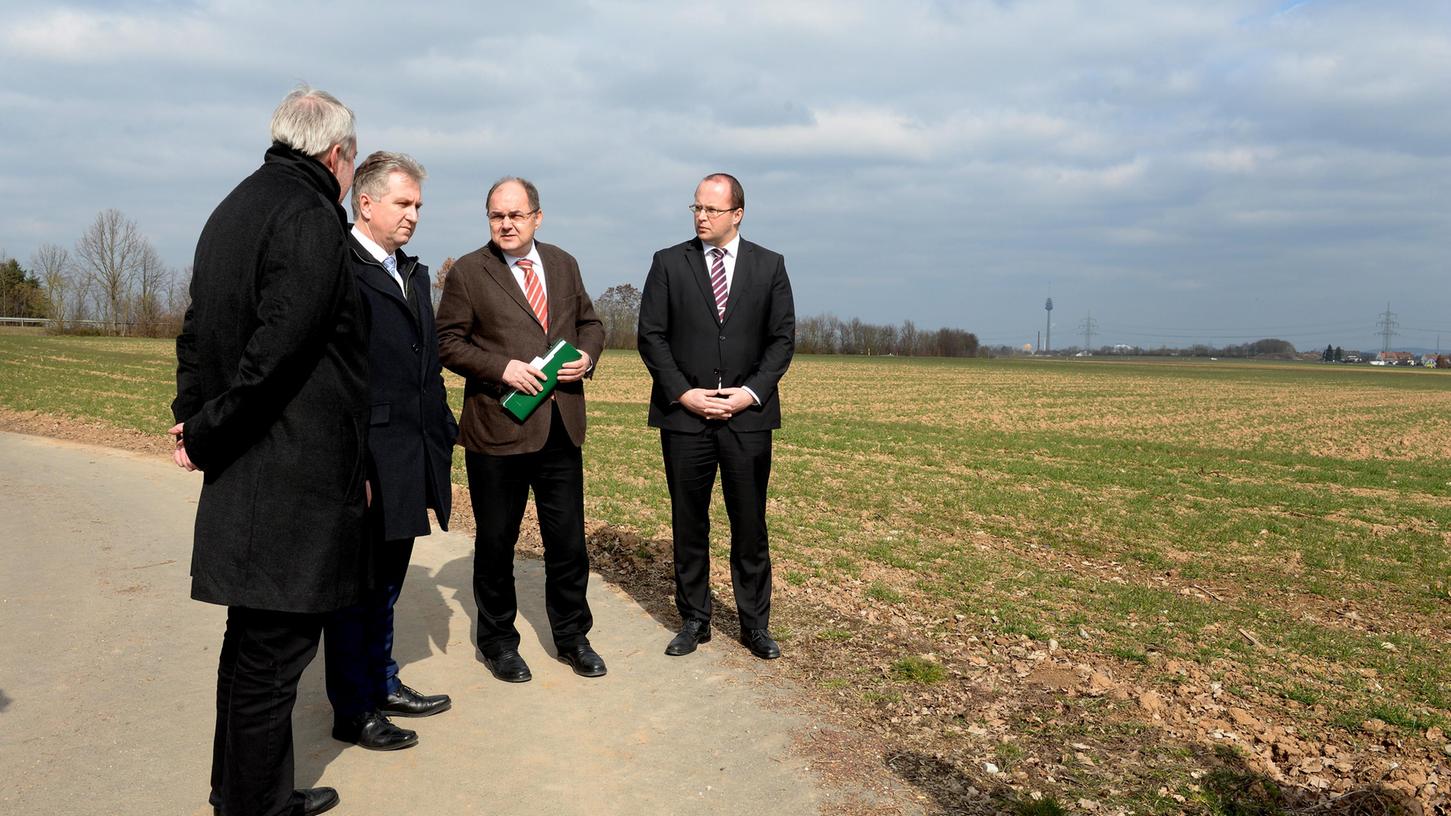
[(619, 310), (20, 292), (1339, 354), (1271, 345), (53, 267), (439, 278), (110, 254), (1329, 355)]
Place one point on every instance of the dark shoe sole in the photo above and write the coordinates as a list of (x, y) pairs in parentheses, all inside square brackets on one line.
[(429, 713), (324, 807), (767, 656)]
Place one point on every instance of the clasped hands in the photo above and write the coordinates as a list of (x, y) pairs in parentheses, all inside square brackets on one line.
[(718, 403), (526, 379)]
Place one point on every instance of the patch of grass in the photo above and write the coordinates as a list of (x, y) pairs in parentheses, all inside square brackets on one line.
[(917, 669), (794, 577), (1028, 806), (834, 634), (879, 591), (1229, 792), (835, 683), (873, 696), (1129, 653)]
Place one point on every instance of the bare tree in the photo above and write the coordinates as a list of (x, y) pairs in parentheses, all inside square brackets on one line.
[(438, 280), (152, 280), (110, 254), (619, 310), (52, 264)]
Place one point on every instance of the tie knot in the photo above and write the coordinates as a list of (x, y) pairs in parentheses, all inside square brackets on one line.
[(525, 264), (718, 253), (390, 263)]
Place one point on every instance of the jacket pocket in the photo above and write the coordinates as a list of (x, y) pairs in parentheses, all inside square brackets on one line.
[(380, 413)]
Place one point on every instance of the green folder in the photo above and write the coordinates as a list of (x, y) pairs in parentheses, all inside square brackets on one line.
[(521, 405)]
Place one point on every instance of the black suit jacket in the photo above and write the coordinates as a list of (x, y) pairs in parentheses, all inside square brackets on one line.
[(685, 346), (411, 429), (271, 383)]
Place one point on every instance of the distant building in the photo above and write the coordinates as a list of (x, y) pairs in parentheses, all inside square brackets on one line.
[(1396, 358)]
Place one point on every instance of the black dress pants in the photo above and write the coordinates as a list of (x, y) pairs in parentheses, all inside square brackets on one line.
[(744, 461), (358, 640), (498, 489), (263, 655)]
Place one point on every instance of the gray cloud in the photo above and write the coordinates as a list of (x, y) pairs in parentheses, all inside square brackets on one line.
[(1183, 171)]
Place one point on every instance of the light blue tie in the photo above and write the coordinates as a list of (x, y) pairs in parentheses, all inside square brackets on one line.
[(390, 263)]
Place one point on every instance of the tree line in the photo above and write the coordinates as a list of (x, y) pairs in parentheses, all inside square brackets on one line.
[(112, 282)]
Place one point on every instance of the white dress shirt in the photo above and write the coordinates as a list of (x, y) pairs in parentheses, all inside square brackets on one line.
[(513, 262), (380, 254)]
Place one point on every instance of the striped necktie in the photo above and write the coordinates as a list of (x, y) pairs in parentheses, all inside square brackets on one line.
[(718, 281), (535, 293)]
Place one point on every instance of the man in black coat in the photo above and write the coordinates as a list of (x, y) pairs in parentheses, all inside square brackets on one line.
[(410, 438), (271, 405), (717, 331)]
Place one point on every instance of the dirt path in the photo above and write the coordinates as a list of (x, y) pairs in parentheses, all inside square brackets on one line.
[(106, 688)]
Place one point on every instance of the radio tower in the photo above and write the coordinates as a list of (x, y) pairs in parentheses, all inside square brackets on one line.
[(1048, 307), (1088, 326), (1387, 324)]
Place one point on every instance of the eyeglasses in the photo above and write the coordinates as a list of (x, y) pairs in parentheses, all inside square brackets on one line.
[(710, 212), (516, 217)]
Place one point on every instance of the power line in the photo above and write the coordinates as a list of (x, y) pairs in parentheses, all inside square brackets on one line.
[(1387, 324), (1088, 326)]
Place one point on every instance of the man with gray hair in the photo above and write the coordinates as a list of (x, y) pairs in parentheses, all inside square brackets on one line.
[(272, 406), (410, 441)]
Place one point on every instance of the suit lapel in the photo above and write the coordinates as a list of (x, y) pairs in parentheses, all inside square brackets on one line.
[(504, 277), (740, 278), (695, 255)]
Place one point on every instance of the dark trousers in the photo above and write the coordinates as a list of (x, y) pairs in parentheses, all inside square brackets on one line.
[(744, 461), (498, 489), (358, 640), (263, 655)]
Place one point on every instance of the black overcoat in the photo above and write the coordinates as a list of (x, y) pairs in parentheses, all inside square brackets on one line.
[(272, 387), (411, 429), (685, 345)]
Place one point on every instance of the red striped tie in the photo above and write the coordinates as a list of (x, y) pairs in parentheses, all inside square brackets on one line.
[(718, 281), (532, 290)]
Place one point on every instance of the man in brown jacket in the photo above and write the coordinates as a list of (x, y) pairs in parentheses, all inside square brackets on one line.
[(503, 305)]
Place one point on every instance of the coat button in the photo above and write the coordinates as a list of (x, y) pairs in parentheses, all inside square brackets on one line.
[(416, 348), (722, 338)]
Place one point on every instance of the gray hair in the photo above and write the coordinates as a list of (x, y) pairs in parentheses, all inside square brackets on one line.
[(529, 190), (371, 178), (311, 121)]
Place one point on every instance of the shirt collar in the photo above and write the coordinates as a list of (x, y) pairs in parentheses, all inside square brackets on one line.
[(732, 247), (533, 256), (369, 244)]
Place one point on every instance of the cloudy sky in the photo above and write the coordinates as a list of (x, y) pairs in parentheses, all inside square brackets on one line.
[(1184, 171)]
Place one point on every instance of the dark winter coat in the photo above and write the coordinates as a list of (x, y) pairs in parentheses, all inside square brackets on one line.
[(272, 387), (411, 429)]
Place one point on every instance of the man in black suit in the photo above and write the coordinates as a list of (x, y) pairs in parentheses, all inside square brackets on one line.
[(410, 439), (717, 331), (271, 404)]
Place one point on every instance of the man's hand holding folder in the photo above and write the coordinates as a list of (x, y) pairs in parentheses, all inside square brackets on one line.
[(534, 381)]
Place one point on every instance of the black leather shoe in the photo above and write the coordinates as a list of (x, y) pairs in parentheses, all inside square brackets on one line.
[(585, 661), (509, 666), (408, 703), (318, 800), (760, 644), (314, 800), (374, 732), (692, 634)]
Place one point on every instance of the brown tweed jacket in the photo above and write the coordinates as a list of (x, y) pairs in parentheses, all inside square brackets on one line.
[(484, 321)]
